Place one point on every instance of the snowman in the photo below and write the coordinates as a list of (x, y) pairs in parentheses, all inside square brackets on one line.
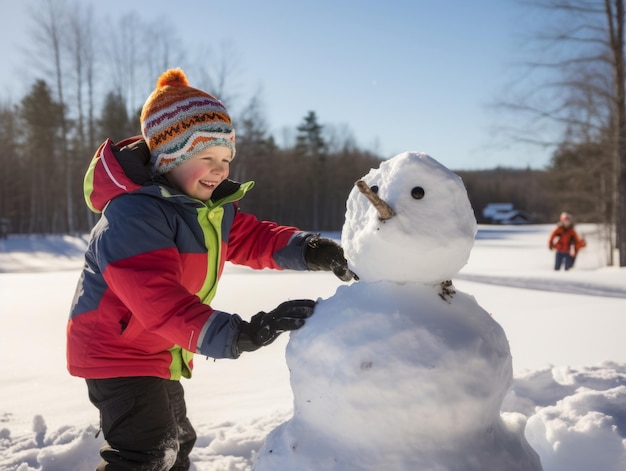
[(401, 371)]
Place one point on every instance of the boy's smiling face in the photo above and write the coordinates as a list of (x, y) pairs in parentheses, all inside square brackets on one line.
[(201, 174)]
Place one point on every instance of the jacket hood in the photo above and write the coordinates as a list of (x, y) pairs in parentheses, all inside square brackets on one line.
[(106, 178), (121, 168)]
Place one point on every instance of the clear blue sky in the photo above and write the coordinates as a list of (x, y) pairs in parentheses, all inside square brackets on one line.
[(400, 74)]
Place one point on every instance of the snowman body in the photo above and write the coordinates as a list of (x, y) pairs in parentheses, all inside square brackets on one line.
[(395, 372)]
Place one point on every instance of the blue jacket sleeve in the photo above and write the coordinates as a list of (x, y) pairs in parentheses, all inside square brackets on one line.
[(218, 338)]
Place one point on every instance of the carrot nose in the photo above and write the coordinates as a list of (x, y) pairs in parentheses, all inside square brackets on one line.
[(384, 210)]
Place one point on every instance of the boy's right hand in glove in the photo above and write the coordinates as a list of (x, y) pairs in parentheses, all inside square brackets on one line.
[(265, 327), (326, 254)]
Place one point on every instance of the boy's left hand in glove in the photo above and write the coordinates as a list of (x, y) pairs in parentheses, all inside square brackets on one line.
[(265, 327), (326, 254)]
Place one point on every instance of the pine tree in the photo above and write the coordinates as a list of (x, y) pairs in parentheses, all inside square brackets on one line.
[(43, 157), (114, 123), (310, 142)]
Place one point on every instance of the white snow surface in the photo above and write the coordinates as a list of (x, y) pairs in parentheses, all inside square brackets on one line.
[(564, 330)]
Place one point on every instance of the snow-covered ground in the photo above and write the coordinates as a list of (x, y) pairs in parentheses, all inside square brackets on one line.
[(565, 329)]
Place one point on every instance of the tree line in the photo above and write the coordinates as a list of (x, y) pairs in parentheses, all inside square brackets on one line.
[(48, 136), (305, 184)]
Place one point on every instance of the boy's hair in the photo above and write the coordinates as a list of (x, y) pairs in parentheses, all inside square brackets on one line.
[(178, 121)]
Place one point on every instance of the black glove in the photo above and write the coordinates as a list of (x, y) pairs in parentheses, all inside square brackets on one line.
[(265, 327), (326, 254)]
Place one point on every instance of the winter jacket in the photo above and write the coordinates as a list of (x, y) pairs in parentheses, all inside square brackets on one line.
[(565, 240), (152, 267)]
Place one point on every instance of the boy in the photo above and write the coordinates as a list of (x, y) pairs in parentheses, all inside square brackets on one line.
[(169, 223)]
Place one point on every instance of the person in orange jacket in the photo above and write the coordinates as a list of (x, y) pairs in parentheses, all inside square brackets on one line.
[(566, 241)]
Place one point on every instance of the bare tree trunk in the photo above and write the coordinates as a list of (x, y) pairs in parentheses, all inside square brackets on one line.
[(49, 23), (55, 37), (121, 50), (615, 22), (75, 45), (91, 121), (81, 48)]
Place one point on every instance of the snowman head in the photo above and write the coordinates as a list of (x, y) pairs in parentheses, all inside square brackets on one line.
[(410, 220)]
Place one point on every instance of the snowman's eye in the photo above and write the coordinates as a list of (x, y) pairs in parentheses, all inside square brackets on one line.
[(374, 188), (418, 193)]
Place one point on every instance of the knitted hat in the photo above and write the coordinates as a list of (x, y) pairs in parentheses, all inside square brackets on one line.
[(178, 121)]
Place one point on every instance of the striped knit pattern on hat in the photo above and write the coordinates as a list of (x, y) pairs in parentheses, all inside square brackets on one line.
[(178, 121)]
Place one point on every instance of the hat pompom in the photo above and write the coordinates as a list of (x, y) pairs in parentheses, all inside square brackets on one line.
[(173, 78)]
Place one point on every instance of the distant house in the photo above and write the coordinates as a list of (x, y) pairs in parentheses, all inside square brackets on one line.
[(505, 213)]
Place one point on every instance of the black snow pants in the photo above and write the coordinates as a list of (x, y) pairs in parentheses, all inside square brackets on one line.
[(144, 422)]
